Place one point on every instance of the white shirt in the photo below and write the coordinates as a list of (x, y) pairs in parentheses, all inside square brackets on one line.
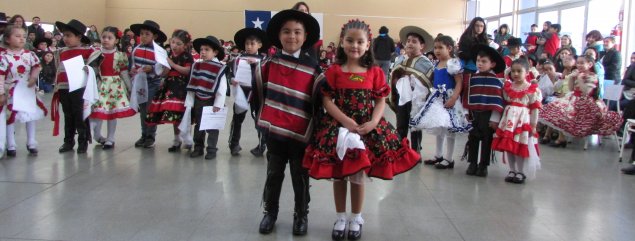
[(296, 54)]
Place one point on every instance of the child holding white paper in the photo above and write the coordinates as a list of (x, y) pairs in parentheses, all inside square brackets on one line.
[(19, 71), (354, 100), (72, 100), (251, 41), (207, 87)]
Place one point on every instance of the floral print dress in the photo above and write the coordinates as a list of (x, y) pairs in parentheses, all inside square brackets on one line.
[(113, 100), (16, 67), (354, 94), (168, 105)]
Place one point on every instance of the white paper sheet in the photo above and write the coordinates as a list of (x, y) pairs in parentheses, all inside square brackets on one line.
[(75, 72), (25, 96), (240, 100), (243, 72), (161, 56), (211, 120)]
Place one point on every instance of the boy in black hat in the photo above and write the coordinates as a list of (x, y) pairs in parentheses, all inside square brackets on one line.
[(41, 46), (208, 83), (286, 88), (72, 101), (144, 59), (483, 97), (251, 41)]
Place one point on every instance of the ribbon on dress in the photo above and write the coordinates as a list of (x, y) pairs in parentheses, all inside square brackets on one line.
[(347, 140)]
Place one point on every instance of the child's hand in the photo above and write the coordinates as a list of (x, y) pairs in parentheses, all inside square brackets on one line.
[(85, 69), (234, 82), (216, 109), (31, 83), (450, 103), (493, 125), (366, 127), (147, 69), (351, 126)]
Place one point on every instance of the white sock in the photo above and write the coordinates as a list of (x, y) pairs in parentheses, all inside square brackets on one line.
[(356, 222), (11, 137), (449, 147), (511, 158), (95, 125), (112, 127), (30, 134), (439, 152), (340, 223)]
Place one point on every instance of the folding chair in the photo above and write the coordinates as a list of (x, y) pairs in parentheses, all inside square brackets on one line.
[(612, 92), (629, 127)]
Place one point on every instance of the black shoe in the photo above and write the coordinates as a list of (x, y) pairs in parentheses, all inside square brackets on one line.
[(354, 235), (32, 151), (174, 148), (338, 235), (258, 151), (108, 146), (210, 155), (433, 161), (149, 143), (520, 178), (82, 148), (300, 224), (445, 164), (482, 171), (140, 142), (197, 153), (11, 153), (235, 150), (101, 141), (510, 177), (630, 170), (66, 147), (471, 169), (267, 223), (562, 144)]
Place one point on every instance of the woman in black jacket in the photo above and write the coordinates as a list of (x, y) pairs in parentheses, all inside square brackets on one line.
[(47, 75), (476, 33)]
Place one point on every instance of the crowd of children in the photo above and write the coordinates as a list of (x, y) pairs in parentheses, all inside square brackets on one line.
[(324, 118)]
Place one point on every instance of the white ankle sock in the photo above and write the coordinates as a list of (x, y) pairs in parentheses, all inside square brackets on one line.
[(340, 223), (356, 221)]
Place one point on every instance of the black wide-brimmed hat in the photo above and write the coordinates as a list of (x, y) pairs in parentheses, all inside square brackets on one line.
[(311, 27), (241, 37), (493, 55), (152, 26), (74, 26), (514, 42), (37, 41), (212, 42), (427, 38)]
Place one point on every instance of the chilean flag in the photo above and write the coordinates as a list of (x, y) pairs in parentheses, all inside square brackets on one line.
[(260, 19)]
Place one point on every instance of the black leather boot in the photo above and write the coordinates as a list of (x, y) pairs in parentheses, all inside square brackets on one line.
[(268, 222), (471, 169), (300, 223), (482, 170)]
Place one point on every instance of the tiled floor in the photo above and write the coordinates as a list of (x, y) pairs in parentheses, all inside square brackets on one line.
[(150, 194)]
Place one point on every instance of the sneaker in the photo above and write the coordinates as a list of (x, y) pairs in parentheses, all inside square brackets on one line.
[(148, 143), (235, 150), (140, 142)]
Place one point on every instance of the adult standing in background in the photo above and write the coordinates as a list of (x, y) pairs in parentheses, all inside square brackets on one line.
[(383, 47), (594, 40), (476, 33), (93, 34), (612, 60), (304, 7), (18, 20), (36, 28)]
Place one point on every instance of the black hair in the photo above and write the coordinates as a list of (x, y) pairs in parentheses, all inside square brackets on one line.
[(367, 60), (15, 17), (589, 59), (523, 62), (113, 30), (469, 31), (548, 23), (383, 30), (534, 25), (505, 26), (253, 38), (557, 27), (447, 41), (297, 5), (595, 35), (182, 35), (483, 53), (421, 40), (597, 55)]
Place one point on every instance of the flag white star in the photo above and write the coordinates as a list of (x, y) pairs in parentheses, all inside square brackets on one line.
[(258, 23)]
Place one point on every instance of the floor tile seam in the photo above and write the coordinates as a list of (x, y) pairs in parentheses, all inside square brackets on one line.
[(447, 217)]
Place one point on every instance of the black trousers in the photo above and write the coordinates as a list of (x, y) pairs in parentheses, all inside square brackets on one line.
[(199, 136), (403, 126), (480, 133), (73, 107), (280, 153)]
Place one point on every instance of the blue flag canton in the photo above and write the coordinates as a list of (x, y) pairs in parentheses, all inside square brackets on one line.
[(257, 19)]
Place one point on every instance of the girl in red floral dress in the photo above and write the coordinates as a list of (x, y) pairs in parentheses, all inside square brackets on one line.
[(19, 71), (581, 113), (516, 133), (354, 100)]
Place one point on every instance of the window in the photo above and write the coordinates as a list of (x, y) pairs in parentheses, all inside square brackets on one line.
[(603, 15), (547, 16), (508, 20), (489, 8), (507, 6), (491, 26), (525, 21), (543, 3), (573, 27), (525, 4)]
